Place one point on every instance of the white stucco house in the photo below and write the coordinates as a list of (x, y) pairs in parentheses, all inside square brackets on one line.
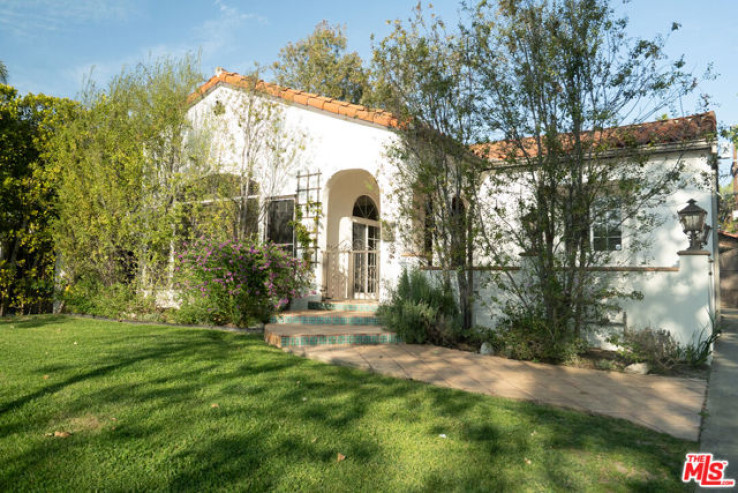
[(342, 177)]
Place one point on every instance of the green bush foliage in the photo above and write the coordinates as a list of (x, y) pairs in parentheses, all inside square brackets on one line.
[(131, 170), (699, 352), (120, 300), (655, 347), (526, 335), (234, 282), (421, 312), (28, 191), (659, 349)]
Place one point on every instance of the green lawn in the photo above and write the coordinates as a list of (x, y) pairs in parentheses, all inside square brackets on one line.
[(139, 403)]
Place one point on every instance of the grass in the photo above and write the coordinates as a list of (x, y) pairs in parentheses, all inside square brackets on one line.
[(139, 400)]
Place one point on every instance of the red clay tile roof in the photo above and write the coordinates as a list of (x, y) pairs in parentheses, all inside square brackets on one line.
[(330, 105), (685, 129)]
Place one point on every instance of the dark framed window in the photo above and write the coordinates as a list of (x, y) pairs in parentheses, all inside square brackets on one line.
[(280, 229), (365, 207), (429, 230), (607, 233)]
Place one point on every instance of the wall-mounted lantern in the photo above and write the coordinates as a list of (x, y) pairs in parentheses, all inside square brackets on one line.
[(692, 218)]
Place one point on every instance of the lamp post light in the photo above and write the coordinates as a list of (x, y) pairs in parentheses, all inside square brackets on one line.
[(692, 218)]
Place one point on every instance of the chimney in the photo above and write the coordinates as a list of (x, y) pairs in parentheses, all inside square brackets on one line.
[(219, 70)]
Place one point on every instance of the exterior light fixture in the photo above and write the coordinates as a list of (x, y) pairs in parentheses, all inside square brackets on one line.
[(692, 218)]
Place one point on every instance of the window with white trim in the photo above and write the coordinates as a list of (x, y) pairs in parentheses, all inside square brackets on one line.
[(607, 221)]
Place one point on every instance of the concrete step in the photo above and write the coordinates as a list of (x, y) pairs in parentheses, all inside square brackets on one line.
[(297, 335), (345, 305), (326, 317)]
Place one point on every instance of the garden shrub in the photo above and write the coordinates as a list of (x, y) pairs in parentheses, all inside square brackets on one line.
[(92, 297), (420, 312), (659, 349), (236, 282), (697, 353), (655, 347), (526, 335)]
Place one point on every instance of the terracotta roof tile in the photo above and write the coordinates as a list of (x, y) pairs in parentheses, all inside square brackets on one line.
[(316, 102), (323, 103), (331, 106), (301, 99), (684, 129), (349, 111), (659, 132)]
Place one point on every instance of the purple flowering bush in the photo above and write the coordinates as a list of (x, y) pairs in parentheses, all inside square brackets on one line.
[(236, 282)]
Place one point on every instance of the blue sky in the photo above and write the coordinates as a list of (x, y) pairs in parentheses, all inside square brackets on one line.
[(49, 45)]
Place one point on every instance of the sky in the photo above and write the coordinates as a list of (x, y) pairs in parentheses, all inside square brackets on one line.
[(50, 46)]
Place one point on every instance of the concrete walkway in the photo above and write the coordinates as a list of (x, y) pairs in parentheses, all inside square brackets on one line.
[(665, 404), (720, 432)]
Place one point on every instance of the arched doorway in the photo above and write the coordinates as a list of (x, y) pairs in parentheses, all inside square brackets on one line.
[(351, 259)]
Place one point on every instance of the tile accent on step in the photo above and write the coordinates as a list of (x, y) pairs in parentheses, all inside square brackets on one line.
[(343, 307), (325, 319), (336, 340)]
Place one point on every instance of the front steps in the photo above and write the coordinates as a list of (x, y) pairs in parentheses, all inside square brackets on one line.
[(339, 323)]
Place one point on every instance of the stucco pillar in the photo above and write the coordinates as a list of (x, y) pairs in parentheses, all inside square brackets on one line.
[(695, 310)]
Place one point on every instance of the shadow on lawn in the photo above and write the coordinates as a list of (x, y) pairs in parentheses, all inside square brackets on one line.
[(31, 321), (282, 418)]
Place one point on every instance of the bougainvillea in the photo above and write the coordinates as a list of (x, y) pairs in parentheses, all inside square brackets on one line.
[(237, 282)]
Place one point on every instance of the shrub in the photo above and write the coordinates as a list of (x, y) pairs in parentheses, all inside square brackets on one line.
[(525, 335), (420, 312), (236, 282), (91, 297), (659, 349), (655, 347), (697, 353)]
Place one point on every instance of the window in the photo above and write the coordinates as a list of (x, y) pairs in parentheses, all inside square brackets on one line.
[(429, 228), (459, 243), (364, 207), (607, 235), (280, 229)]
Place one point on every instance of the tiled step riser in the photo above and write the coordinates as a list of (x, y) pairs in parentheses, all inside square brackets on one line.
[(343, 307), (335, 340), (325, 320)]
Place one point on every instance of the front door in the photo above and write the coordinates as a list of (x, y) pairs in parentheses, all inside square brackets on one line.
[(365, 259)]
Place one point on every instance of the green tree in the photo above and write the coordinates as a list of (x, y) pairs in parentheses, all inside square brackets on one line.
[(423, 76), (130, 164), (3, 73), (726, 206), (320, 64), (27, 198), (555, 76)]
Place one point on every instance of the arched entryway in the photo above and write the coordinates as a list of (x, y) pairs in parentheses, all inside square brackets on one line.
[(351, 259)]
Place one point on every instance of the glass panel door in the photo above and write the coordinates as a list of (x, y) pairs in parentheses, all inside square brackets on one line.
[(365, 245)]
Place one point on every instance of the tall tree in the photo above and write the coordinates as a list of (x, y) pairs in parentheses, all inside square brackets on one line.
[(27, 198), (558, 77), (320, 64), (129, 165), (423, 76), (3, 73)]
